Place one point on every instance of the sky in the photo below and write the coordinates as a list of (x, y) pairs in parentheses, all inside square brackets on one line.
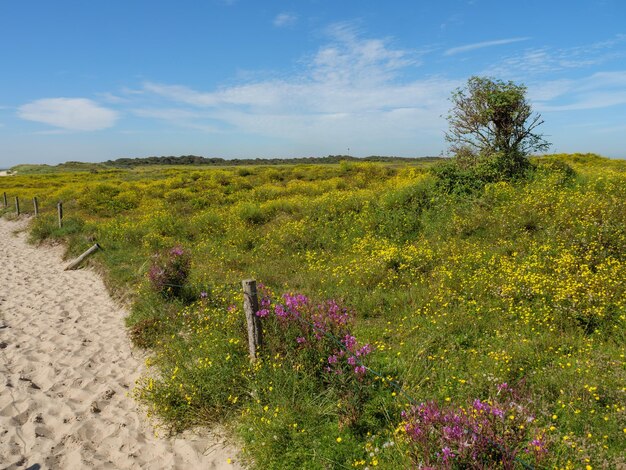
[(98, 80)]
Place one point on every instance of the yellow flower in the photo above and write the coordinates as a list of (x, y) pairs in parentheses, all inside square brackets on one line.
[(338, 439)]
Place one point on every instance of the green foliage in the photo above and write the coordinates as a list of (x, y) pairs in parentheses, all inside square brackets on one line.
[(461, 278), (492, 116), (466, 176), (47, 227)]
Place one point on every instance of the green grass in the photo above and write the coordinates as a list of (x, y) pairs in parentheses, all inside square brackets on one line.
[(519, 282)]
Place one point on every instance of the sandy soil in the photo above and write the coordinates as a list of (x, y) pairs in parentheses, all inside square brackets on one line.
[(3, 173), (66, 372)]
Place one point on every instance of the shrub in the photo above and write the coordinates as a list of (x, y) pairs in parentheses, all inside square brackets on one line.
[(252, 214), (318, 336), (466, 174), (169, 272), (484, 434)]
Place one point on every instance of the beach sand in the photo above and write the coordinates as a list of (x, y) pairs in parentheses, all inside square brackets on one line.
[(67, 370)]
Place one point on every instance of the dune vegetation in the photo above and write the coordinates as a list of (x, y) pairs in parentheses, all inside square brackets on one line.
[(413, 315)]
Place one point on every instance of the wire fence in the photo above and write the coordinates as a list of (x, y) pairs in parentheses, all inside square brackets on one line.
[(19, 207)]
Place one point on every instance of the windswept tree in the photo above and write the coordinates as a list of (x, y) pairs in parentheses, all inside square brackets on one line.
[(493, 117)]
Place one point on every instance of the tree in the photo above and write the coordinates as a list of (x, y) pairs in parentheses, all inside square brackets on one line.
[(493, 117)]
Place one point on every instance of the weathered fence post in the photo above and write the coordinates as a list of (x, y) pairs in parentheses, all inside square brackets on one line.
[(17, 205), (251, 307), (6, 204), (74, 264), (60, 212), (36, 206)]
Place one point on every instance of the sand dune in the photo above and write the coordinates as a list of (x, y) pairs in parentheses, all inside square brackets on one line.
[(66, 371)]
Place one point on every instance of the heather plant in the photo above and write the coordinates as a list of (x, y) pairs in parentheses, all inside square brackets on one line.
[(318, 336), (169, 272), (500, 432)]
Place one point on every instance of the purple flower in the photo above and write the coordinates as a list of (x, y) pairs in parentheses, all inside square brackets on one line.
[(360, 370), (446, 454), (349, 341), (479, 405), (263, 313), (280, 311), (332, 359), (301, 339), (177, 251), (364, 350), (352, 360), (203, 295)]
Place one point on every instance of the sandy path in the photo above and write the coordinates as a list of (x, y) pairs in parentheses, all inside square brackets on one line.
[(66, 369)]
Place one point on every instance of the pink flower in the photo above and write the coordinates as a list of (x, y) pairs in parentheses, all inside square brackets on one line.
[(349, 341)]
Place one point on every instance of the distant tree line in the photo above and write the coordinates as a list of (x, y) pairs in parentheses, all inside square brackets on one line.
[(216, 161)]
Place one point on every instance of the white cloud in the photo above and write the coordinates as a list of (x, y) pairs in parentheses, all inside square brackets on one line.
[(546, 60), (599, 90), (285, 19), (111, 98), (75, 114), (481, 45), (350, 88)]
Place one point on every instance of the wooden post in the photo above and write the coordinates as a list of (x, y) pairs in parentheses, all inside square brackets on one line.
[(60, 212), (17, 205), (6, 204), (74, 264), (36, 206), (251, 307)]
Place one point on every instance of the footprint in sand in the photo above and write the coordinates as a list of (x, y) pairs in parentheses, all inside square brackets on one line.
[(65, 365)]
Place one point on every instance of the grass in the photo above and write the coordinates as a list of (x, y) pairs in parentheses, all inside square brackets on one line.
[(457, 292)]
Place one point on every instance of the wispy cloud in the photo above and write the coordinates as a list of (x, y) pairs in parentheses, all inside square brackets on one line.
[(482, 45), (599, 90), (285, 19), (546, 60), (111, 98), (351, 86), (75, 114)]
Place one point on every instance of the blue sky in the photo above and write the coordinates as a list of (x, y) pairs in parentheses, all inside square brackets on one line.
[(97, 80)]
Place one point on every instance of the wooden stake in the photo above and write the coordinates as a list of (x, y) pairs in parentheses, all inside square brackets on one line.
[(74, 264), (6, 204), (36, 206), (17, 205), (60, 212), (251, 307)]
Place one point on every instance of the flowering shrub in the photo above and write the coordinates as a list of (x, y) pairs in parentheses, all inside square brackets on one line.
[(321, 337), (323, 327), (169, 272), (483, 434)]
